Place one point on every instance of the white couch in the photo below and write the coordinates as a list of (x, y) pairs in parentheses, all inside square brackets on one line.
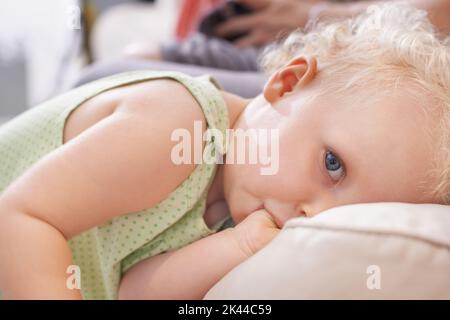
[(364, 251)]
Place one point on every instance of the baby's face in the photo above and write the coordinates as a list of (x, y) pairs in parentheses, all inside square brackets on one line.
[(334, 151)]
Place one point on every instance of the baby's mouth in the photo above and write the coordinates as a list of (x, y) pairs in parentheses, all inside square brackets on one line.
[(275, 218), (279, 220)]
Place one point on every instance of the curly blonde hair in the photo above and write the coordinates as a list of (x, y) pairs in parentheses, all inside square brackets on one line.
[(385, 44)]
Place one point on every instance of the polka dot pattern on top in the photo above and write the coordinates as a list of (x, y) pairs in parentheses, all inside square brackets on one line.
[(105, 252)]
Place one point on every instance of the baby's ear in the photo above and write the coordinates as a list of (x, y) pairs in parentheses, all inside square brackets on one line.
[(298, 72)]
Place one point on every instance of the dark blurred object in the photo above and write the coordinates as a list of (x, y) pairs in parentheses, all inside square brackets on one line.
[(88, 16), (223, 13)]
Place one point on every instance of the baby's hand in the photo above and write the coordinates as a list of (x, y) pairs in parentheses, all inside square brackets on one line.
[(255, 232)]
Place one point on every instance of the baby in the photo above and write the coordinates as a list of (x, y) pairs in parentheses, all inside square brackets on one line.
[(95, 206)]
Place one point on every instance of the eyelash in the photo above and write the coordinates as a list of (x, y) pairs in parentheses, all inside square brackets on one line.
[(328, 150)]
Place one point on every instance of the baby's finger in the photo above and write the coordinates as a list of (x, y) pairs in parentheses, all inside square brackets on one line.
[(274, 232), (265, 218)]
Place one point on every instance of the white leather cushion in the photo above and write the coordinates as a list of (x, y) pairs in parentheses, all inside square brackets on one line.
[(363, 251)]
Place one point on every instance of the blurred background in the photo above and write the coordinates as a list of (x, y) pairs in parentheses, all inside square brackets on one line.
[(50, 46), (45, 44)]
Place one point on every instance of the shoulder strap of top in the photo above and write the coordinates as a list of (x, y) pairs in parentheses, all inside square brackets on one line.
[(205, 89)]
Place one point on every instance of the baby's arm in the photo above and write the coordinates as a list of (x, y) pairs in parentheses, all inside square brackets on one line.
[(189, 272), (119, 165)]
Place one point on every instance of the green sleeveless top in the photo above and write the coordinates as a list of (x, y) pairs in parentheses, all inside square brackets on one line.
[(105, 252)]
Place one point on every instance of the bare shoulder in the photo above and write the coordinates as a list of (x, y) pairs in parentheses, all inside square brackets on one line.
[(118, 162), (149, 98), (160, 96)]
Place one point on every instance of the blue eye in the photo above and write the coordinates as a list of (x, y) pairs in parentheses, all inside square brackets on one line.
[(333, 166)]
